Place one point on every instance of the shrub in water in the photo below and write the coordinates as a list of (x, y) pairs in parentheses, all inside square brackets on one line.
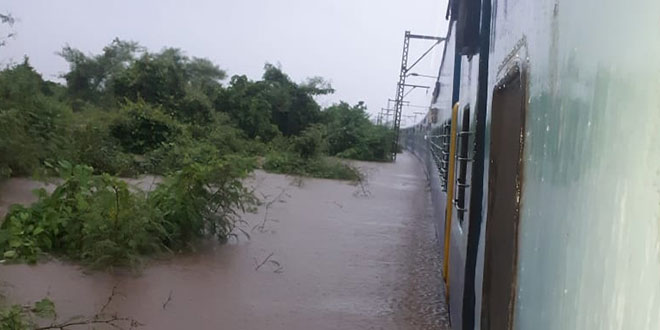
[(203, 200), (98, 220), (92, 218), (318, 167)]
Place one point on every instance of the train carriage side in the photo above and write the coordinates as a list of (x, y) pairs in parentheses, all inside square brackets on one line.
[(581, 79), (562, 101)]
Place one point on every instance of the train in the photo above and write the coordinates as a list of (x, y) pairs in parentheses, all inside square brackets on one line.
[(542, 148)]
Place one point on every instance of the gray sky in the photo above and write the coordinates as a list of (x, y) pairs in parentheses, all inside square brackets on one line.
[(356, 44)]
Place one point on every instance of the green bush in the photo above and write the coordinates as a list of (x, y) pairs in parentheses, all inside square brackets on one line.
[(15, 318), (174, 155), (99, 221), (331, 168), (23, 317), (92, 218), (374, 145), (352, 135), (311, 143), (222, 134), (194, 107), (202, 143), (94, 146), (203, 200), (141, 127), (34, 124), (20, 154), (283, 162)]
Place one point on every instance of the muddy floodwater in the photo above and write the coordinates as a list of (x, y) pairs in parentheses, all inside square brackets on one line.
[(322, 255)]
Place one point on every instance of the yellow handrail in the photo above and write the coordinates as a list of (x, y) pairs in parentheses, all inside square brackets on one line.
[(450, 195)]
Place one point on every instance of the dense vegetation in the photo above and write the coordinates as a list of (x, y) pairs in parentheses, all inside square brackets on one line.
[(128, 111)]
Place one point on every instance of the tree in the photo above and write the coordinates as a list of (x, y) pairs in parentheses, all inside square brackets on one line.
[(90, 77), (204, 74), (293, 105), (352, 135), (184, 87), (32, 122), (247, 104), (317, 86)]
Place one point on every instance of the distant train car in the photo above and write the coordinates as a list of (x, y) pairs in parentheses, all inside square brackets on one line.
[(544, 160)]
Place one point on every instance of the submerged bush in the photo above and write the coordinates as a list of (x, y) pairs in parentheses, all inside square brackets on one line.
[(92, 218), (375, 145), (98, 220), (203, 200), (331, 168), (196, 143), (306, 155), (24, 317), (318, 167)]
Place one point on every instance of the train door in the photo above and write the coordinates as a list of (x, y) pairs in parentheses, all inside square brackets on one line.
[(504, 192)]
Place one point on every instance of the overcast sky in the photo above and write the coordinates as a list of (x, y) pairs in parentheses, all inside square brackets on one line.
[(356, 44)]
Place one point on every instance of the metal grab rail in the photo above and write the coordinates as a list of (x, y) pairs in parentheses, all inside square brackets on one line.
[(450, 195)]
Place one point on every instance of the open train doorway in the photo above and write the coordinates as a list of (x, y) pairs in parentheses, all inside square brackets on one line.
[(507, 134)]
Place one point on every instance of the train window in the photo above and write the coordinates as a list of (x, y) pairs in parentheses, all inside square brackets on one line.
[(463, 159), (504, 196), (439, 145), (446, 138), (434, 115)]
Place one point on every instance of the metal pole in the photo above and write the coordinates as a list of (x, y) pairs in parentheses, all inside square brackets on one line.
[(399, 94), (401, 85)]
